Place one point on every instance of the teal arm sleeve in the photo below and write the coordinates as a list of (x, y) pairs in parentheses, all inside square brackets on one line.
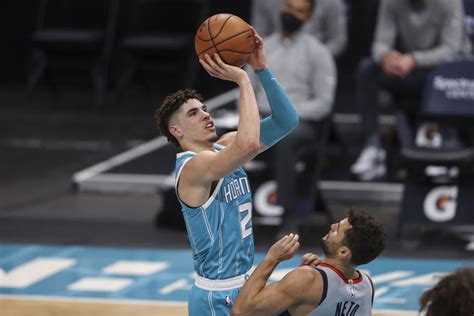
[(284, 117)]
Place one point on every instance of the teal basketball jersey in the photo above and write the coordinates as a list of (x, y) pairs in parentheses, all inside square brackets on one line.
[(220, 231)]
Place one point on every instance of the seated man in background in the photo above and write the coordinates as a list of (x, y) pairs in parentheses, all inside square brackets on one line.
[(411, 37), (453, 295), (307, 72), (328, 22), (334, 287)]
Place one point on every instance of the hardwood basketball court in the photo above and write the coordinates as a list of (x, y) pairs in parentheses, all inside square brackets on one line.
[(25, 306)]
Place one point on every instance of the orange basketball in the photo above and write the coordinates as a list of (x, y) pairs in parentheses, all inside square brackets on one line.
[(229, 36)]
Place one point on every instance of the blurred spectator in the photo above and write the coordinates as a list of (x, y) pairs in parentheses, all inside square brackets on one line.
[(453, 295), (411, 37), (469, 20), (328, 22), (307, 72)]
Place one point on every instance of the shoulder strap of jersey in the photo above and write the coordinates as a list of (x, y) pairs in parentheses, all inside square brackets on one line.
[(371, 285), (325, 284), (181, 160)]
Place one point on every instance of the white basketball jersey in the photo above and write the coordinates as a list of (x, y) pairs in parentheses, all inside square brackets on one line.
[(343, 297)]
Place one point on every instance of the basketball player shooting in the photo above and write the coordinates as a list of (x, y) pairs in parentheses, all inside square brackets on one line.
[(333, 287), (212, 186)]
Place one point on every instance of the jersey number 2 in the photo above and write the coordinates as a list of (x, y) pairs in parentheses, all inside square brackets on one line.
[(246, 219)]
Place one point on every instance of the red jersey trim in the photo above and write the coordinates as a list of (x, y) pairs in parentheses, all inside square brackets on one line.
[(339, 273)]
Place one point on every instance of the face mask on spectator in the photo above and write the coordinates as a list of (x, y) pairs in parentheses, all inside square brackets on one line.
[(417, 5), (290, 23)]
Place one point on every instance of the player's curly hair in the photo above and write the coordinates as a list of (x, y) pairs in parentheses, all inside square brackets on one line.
[(171, 105), (452, 295), (366, 238)]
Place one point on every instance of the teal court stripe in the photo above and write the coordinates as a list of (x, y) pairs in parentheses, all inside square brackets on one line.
[(158, 275)]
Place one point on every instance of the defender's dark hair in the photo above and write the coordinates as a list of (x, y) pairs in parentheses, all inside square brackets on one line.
[(453, 295), (366, 238), (171, 105)]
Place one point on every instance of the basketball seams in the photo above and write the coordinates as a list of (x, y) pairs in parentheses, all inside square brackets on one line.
[(229, 38), (212, 39), (203, 39), (235, 51), (209, 30), (233, 48), (222, 27), (217, 35)]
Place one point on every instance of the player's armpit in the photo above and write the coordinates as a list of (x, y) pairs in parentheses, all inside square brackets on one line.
[(310, 293), (211, 166), (193, 188), (208, 166), (227, 138), (272, 300), (294, 289), (195, 171)]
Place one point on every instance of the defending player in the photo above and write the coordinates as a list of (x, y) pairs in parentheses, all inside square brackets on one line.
[(334, 287), (211, 185)]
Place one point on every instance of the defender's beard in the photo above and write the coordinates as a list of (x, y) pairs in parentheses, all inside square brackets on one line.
[(327, 248), (214, 138)]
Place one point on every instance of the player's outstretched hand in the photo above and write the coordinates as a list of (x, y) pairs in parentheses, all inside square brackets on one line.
[(258, 59), (310, 259), (218, 69), (284, 248)]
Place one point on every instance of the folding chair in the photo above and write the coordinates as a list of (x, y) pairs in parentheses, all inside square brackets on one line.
[(77, 33), (152, 38)]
